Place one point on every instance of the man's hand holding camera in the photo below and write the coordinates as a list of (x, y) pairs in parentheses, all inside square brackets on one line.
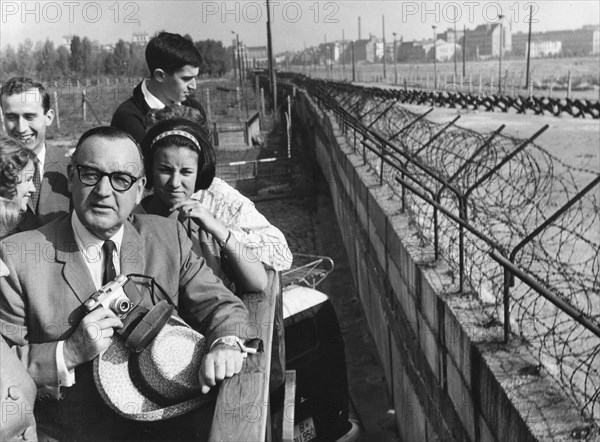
[(91, 337)]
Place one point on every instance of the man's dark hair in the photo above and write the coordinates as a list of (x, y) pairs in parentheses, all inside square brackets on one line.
[(171, 52), (20, 85), (108, 133)]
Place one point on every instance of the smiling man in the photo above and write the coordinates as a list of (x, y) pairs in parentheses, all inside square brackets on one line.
[(174, 63), (27, 115), (41, 300)]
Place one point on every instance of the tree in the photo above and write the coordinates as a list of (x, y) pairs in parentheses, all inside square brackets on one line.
[(215, 58), (63, 61), (8, 62), (87, 62), (47, 57), (121, 54), (76, 54), (25, 58)]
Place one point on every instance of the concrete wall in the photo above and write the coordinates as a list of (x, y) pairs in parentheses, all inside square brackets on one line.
[(448, 372)]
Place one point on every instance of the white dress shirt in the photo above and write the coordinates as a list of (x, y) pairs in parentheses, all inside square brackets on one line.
[(90, 247), (151, 100)]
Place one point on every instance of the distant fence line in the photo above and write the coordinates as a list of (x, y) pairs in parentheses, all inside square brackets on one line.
[(451, 95)]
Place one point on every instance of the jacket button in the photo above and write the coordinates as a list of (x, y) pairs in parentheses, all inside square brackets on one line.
[(29, 433), (14, 393)]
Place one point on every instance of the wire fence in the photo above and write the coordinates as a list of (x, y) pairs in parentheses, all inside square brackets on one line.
[(483, 199)]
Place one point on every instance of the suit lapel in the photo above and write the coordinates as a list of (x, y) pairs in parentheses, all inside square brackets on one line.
[(132, 256), (75, 270)]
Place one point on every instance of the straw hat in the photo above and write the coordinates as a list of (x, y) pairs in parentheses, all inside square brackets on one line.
[(160, 382)]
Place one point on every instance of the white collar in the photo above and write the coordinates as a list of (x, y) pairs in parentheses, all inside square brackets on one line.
[(151, 100), (42, 157), (89, 244)]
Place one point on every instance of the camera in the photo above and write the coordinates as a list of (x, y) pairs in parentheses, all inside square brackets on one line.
[(111, 296)]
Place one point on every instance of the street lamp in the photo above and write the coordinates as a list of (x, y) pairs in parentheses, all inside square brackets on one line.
[(500, 17), (395, 61), (434, 59)]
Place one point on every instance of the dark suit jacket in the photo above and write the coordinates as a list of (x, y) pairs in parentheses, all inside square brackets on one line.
[(130, 115), (41, 303), (55, 199), (17, 396)]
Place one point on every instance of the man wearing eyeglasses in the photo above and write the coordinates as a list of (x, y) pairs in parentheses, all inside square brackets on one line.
[(55, 269)]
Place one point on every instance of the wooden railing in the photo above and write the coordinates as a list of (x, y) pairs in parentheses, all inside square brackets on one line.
[(242, 412)]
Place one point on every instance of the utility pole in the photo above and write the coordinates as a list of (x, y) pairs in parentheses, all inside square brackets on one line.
[(353, 64), (528, 47), (464, 50), (234, 63), (383, 32), (500, 17), (434, 59), (270, 55), (239, 55), (395, 61), (343, 55), (455, 71)]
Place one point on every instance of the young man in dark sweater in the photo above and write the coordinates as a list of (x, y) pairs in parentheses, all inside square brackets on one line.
[(174, 64)]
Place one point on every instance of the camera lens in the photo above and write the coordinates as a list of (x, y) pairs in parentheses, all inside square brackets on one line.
[(121, 306)]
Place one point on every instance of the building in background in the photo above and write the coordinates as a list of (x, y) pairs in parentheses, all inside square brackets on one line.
[(412, 51), (364, 50), (578, 42), (483, 42)]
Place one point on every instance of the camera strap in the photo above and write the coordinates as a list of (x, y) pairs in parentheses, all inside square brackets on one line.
[(142, 325)]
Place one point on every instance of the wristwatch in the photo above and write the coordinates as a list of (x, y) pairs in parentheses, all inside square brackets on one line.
[(226, 240), (234, 342)]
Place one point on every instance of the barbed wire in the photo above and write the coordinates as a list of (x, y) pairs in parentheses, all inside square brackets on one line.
[(517, 197)]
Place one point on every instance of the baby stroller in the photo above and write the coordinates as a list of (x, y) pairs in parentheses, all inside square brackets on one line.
[(315, 349)]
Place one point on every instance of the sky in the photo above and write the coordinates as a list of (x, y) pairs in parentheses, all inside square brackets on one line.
[(294, 23)]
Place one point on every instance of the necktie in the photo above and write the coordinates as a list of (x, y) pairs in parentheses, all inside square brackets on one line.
[(37, 182), (110, 272)]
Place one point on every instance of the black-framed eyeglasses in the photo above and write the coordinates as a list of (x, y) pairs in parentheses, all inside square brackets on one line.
[(90, 176)]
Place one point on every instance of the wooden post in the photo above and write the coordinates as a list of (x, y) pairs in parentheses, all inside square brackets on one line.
[(569, 84), (262, 102), (257, 92), (289, 126), (208, 110), (479, 82), (238, 97), (57, 116), (470, 83), (275, 94), (83, 104), (491, 80), (551, 86)]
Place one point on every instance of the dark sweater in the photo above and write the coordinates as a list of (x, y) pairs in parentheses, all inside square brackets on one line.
[(130, 115)]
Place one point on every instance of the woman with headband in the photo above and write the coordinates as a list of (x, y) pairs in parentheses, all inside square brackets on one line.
[(180, 166)]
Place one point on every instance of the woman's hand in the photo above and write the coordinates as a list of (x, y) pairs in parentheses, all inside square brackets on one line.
[(193, 209)]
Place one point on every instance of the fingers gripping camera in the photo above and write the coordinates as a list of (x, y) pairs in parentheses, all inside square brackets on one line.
[(140, 324), (113, 297)]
